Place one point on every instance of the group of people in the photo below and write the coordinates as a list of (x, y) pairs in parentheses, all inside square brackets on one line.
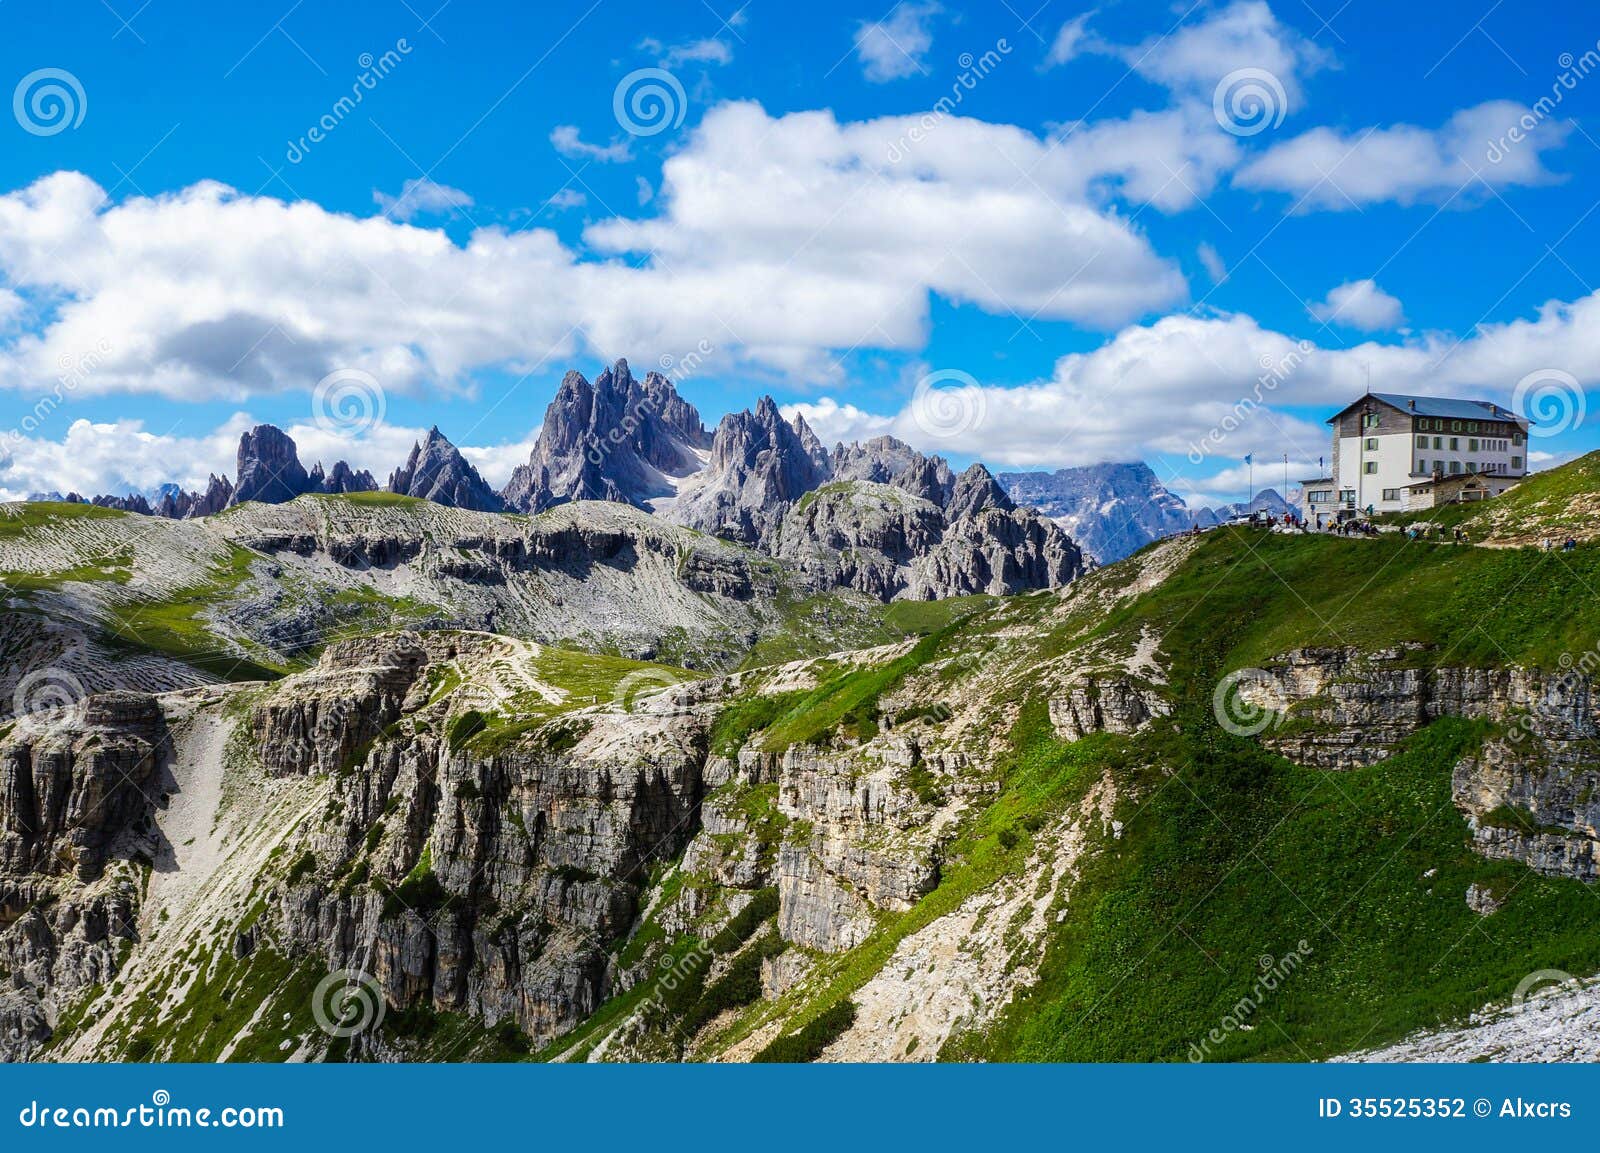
[(1566, 546)]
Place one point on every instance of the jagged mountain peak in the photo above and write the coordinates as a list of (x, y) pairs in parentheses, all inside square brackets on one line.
[(975, 491), (616, 439), (437, 471)]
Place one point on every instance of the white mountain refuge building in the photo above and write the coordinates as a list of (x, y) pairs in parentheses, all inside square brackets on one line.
[(1390, 452)]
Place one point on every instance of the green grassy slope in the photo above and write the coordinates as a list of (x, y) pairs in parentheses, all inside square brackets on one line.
[(1231, 854)]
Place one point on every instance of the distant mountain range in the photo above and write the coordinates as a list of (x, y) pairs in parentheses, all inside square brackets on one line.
[(878, 518), (640, 443), (1114, 510)]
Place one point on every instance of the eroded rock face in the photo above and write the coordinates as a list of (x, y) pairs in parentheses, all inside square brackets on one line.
[(269, 467), (998, 552), (69, 787), (317, 722), (869, 845), (863, 536), (178, 505), (497, 881), (1105, 705), (760, 464)]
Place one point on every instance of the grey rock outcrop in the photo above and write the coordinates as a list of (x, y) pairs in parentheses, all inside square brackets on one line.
[(342, 479), (1105, 705), (70, 783), (175, 504), (437, 471)]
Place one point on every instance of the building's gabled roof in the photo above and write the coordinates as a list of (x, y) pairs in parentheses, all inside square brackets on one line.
[(1439, 406)]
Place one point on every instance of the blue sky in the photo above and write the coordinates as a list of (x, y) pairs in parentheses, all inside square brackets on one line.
[(1093, 255)]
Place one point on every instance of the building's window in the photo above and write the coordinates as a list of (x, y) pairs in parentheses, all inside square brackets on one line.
[(1455, 466), (1516, 438), (1347, 495), (1391, 494), (1455, 444), (1472, 466), (1516, 462), (1422, 442), (1370, 467), (1371, 421), (1472, 445), (1438, 442), (1472, 426), (1372, 444), (1455, 426)]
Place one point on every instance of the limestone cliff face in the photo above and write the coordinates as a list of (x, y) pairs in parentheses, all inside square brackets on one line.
[(1105, 705), (356, 690), (76, 790), (1531, 794), (69, 787), (863, 842)]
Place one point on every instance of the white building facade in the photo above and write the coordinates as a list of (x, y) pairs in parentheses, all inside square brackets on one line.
[(1385, 443)]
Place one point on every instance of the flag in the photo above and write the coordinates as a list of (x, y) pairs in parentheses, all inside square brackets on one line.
[(1249, 458)]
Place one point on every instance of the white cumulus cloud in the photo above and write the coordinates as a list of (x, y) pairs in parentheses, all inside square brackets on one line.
[(1359, 304), (894, 47), (1337, 170)]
